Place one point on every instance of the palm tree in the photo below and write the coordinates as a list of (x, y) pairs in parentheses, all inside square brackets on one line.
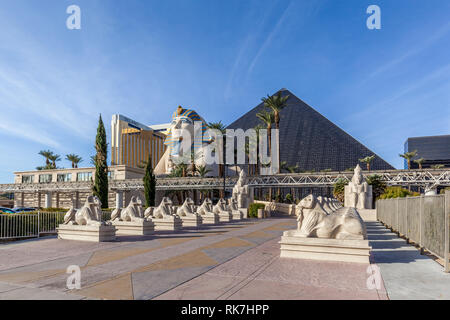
[(267, 118), (367, 160), (221, 127), (420, 162), (53, 158), (74, 159), (276, 103), (408, 156), (46, 154), (202, 171), (437, 166)]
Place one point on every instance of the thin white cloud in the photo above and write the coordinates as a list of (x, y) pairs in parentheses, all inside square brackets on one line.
[(441, 32), (25, 131), (269, 38)]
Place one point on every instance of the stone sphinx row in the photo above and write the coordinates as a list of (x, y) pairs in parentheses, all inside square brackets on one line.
[(86, 223), (326, 231)]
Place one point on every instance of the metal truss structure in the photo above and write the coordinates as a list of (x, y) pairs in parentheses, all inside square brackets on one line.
[(427, 179)]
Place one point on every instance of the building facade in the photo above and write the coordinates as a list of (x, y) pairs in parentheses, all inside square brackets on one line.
[(435, 150), (65, 198), (132, 142)]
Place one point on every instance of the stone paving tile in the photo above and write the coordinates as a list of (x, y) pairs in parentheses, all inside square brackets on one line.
[(271, 277), (147, 285), (107, 265), (28, 293)]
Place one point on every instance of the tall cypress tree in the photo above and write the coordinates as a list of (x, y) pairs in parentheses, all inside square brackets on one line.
[(100, 188), (149, 184)]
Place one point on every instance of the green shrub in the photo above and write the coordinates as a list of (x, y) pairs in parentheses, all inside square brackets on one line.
[(398, 192), (288, 198), (378, 185), (253, 209), (339, 188)]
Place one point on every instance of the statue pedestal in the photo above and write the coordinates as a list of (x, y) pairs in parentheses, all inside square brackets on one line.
[(129, 228), (225, 217), (192, 221), (170, 223), (237, 215), (210, 218), (293, 246), (87, 233), (244, 212)]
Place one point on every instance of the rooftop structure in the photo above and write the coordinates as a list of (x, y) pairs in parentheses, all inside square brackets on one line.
[(434, 149)]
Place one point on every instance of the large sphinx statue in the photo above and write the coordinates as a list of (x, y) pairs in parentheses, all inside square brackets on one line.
[(90, 214), (358, 193), (240, 191), (183, 123), (314, 222)]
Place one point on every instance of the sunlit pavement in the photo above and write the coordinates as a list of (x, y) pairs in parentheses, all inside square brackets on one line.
[(238, 260)]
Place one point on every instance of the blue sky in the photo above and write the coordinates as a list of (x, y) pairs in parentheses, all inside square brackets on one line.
[(144, 58)]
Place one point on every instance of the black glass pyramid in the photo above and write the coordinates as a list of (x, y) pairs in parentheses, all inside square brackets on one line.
[(310, 140)]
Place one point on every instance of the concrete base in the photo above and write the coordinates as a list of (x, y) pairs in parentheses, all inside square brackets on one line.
[(225, 217), (237, 215), (244, 212), (293, 246), (87, 233), (192, 221), (171, 224), (128, 228), (210, 218)]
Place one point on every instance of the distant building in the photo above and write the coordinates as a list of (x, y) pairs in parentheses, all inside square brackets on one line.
[(434, 149), (133, 142), (62, 198)]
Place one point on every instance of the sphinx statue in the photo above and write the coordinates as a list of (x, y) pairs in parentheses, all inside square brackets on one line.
[(358, 193), (132, 213), (314, 222), (187, 213), (233, 207), (184, 123), (89, 214), (337, 236), (206, 212), (132, 220), (164, 216), (225, 215), (85, 224), (164, 210)]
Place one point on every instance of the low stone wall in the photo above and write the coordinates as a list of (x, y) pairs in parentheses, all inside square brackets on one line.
[(283, 208)]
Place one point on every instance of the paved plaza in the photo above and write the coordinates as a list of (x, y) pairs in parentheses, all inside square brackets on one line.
[(238, 260)]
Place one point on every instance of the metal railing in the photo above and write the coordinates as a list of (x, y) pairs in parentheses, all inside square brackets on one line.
[(32, 225), (424, 220)]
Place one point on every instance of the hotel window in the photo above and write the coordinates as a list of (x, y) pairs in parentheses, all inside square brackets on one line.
[(27, 179), (64, 177), (111, 175), (45, 178), (84, 176)]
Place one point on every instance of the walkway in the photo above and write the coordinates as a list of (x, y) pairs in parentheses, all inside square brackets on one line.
[(237, 260), (406, 273)]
